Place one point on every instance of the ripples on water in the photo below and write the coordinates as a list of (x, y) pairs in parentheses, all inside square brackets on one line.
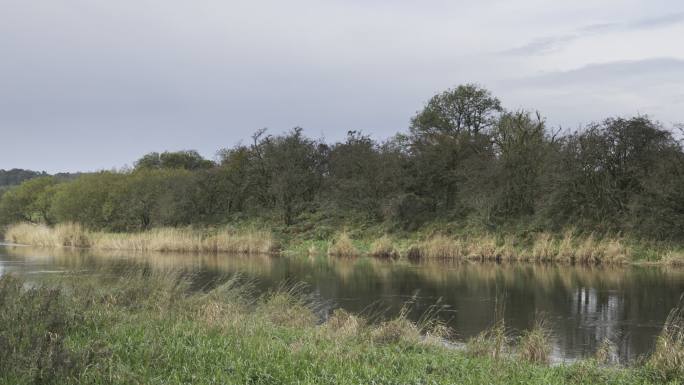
[(583, 305)]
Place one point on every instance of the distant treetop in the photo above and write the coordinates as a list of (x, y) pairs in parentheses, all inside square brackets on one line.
[(16, 175), (466, 108), (188, 160)]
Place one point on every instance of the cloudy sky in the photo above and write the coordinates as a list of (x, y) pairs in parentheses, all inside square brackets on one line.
[(94, 84)]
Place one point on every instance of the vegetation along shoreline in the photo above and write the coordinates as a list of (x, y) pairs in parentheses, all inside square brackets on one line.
[(468, 180), (568, 247)]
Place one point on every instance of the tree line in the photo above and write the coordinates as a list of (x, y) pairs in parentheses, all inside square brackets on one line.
[(464, 159)]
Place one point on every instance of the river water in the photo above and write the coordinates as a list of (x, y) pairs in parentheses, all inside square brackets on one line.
[(581, 305)]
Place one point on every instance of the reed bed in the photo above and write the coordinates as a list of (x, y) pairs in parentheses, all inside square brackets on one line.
[(62, 235), (545, 247), (161, 239), (575, 249)]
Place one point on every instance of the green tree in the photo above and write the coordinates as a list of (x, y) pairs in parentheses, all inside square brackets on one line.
[(615, 169), (288, 172), (88, 200), (522, 146), (363, 176), (468, 108), (30, 201), (188, 160)]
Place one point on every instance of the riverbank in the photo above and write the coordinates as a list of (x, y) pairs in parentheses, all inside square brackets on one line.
[(431, 244), (148, 328)]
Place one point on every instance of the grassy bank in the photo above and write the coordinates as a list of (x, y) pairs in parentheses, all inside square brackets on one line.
[(149, 329), (569, 247)]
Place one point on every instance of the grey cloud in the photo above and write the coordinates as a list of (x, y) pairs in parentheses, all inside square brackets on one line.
[(656, 71), (542, 45), (657, 22), (545, 45), (90, 84)]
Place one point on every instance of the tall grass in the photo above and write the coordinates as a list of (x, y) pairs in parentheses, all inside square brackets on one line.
[(62, 235), (570, 247), (667, 360), (544, 247), (343, 246), (438, 247), (491, 343), (384, 247), (606, 353), (575, 249), (535, 344), (161, 239), (674, 259)]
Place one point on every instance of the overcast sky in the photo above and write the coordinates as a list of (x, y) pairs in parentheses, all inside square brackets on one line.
[(94, 84)]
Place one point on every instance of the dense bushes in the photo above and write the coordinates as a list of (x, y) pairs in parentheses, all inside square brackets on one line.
[(464, 160)]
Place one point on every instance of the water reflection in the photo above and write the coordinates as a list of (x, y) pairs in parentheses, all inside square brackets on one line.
[(584, 305)]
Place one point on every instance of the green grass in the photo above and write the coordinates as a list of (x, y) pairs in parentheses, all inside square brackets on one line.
[(148, 329)]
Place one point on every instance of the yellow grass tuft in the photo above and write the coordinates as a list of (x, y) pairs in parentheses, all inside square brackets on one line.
[(384, 248), (491, 343), (438, 247), (343, 246), (344, 324), (535, 345), (399, 329), (286, 308), (667, 359), (674, 259), (566, 248), (508, 251), (481, 248), (615, 252), (606, 352), (544, 248)]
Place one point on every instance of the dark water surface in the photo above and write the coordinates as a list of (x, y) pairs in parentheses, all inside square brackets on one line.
[(582, 305)]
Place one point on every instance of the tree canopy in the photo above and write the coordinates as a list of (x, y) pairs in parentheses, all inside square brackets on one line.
[(464, 159)]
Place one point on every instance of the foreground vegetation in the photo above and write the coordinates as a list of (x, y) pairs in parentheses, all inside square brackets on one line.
[(542, 247), (148, 328)]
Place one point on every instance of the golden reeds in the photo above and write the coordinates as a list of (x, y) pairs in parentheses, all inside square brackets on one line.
[(342, 246), (383, 247), (535, 344), (162, 239)]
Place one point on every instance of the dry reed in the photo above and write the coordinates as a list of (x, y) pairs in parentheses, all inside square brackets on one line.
[(667, 359), (383, 247), (162, 239), (343, 246), (535, 345)]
